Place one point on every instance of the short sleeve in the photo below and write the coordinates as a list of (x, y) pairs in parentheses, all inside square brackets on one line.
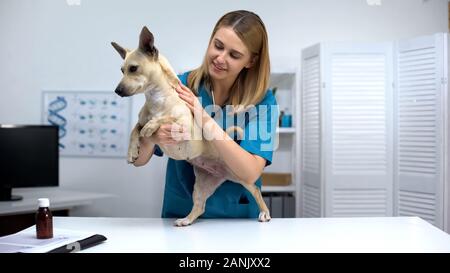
[(260, 129), (183, 78), (157, 151)]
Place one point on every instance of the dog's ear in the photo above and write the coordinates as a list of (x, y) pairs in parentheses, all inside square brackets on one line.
[(122, 51), (146, 42)]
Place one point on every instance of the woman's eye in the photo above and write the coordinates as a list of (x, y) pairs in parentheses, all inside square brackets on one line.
[(234, 56), (133, 68), (218, 46)]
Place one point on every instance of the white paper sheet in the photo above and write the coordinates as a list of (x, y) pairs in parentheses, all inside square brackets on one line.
[(26, 241)]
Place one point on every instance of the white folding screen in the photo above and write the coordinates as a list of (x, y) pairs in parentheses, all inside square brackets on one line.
[(419, 120), (311, 132), (369, 149), (357, 116)]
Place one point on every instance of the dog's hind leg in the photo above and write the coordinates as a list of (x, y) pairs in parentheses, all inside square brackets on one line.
[(264, 214), (205, 185)]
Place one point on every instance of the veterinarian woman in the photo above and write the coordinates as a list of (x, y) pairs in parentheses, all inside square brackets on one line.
[(235, 71)]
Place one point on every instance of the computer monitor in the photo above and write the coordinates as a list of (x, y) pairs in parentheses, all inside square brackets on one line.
[(29, 157)]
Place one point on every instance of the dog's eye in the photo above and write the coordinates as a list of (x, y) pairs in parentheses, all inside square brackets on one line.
[(133, 68), (121, 69)]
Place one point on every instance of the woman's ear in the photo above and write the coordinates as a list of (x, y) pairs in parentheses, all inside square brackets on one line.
[(252, 61)]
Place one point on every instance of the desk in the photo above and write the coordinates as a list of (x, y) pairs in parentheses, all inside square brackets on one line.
[(17, 215), (294, 235)]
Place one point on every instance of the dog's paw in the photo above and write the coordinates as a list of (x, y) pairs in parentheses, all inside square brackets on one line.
[(182, 222), (147, 130), (264, 216), (133, 154), (131, 159)]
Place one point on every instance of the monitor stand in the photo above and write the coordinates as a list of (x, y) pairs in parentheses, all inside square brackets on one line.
[(5, 195)]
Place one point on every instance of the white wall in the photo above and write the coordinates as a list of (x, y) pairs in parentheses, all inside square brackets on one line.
[(49, 45), (447, 152)]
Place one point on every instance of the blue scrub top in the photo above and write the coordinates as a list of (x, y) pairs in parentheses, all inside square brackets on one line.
[(230, 200)]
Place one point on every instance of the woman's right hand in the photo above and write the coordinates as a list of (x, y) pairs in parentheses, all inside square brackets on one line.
[(168, 134)]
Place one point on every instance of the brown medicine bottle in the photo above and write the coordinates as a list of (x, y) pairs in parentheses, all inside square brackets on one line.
[(44, 220)]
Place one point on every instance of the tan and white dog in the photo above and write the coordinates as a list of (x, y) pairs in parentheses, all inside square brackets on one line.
[(146, 71)]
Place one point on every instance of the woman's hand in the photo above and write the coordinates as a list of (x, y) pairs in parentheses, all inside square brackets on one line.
[(200, 115), (168, 134)]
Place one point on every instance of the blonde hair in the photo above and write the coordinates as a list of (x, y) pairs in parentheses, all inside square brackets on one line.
[(251, 84)]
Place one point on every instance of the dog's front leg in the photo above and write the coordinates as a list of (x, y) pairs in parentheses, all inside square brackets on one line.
[(153, 125), (133, 147)]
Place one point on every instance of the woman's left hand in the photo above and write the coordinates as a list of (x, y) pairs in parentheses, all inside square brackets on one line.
[(200, 115)]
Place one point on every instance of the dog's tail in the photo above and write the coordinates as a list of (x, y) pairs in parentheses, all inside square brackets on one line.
[(235, 130)]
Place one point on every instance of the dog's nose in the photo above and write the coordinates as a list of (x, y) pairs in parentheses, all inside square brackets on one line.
[(119, 91)]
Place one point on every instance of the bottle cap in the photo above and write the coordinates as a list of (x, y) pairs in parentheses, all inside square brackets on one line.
[(43, 202)]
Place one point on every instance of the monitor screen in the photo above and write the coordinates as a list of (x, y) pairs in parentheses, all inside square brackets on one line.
[(29, 157)]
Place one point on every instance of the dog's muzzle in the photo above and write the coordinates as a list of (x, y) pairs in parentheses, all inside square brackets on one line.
[(120, 91)]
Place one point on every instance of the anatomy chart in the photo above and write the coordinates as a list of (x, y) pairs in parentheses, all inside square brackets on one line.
[(90, 123)]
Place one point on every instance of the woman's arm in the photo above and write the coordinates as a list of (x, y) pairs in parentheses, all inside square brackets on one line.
[(163, 136), (146, 149), (246, 166)]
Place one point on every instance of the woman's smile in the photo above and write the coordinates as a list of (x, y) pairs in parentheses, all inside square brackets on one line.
[(217, 68)]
